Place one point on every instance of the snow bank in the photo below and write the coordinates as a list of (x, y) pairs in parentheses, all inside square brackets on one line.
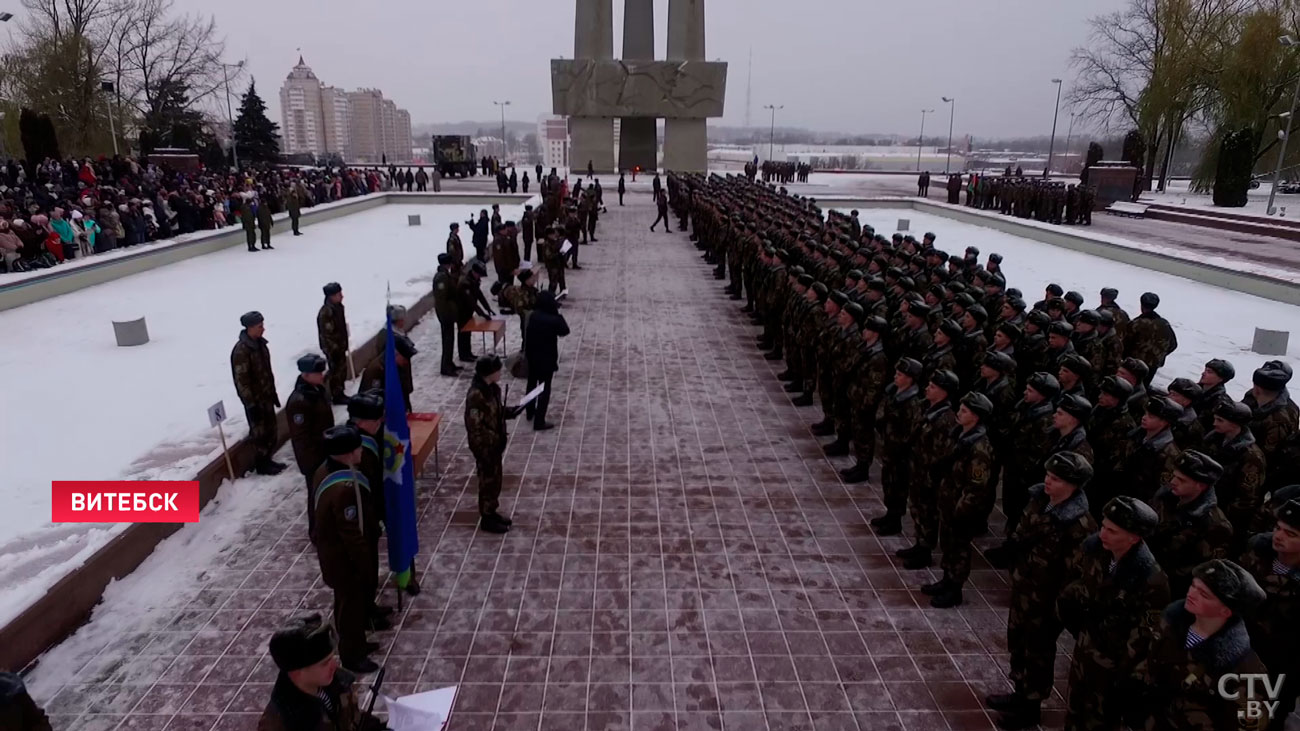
[(77, 407), (1210, 322)]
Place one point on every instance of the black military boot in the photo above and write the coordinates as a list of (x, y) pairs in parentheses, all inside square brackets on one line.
[(922, 559), (785, 375), (824, 428), (804, 400), (1027, 714), (490, 524), (747, 309), (951, 597), (774, 355), (1003, 701), (891, 524), (856, 474), (794, 387), (936, 588), (268, 466), (911, 550), (503, 519), (837, 448)]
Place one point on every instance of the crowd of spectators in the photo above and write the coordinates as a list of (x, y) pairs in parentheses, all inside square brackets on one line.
[(62, 210)]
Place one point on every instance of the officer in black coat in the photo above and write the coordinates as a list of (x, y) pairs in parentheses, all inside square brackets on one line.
[(446, 307), (542, 349)]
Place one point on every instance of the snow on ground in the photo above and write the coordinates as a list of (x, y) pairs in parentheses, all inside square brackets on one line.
[(77, 407), (1178, 193), (1210, 322)]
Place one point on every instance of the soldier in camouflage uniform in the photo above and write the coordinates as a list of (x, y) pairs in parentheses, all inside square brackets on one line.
[(1088, 342), (1273, 558), (1043, 562), (485, 428), (1192, 528), (1241, 488), (866, 390), (1112, 609), (1031, 350), (1150, 462), (847, 358), (1199, 640), (1117, 313), (932, 437), (250, 366), (366, 415), (309, 414), (940, 355), (1112, 348), (1069, 426), (1213, 383), (1275, 415), (1108, 433), (1031, 443), (1188, 432), (1075, 374), (1135, 371), (899, 411), (965, 499), (1149, 337), (808, 334), (829, 344), (332, 331)]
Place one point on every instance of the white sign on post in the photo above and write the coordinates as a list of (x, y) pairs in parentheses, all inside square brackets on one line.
[(216, 413)]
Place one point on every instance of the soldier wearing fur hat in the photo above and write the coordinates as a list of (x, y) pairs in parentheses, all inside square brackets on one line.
[(372, 378), (1135, 372), (1273, 558), (1075, 374), (940, 355), (1120, 317), (446, 305), (1200, 639), (1109, 428), (1030, 444), (1213, 383), (965, 499), (250, 366), (1069, 424), (899, 411), (1108, 340), (1192, 528), (866, 390), (1150, 338), (1112, 609), (1276, 416), (366, 414), (332, 332), (1241, 488), (344, 523), (932, 439), (311, 692), (1043, 558), (309, 414), (485, 426), (1188, 432), (1150, 462)]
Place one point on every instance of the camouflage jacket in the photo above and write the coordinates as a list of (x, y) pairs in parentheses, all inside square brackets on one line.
[(1149, 466), (485, 420), (309, 414), (1112, 349), (1121, 320), (1272, 424), (1188, 432), (1272, 625), (1185, 683), (1093, 348), (914, 343), (1031, 352), (373, 378), (968, 489), (1210, 399), (250, 365), (933, 439), (1002, 392), (520, 297), (332, 328), (1108, 432), (900, 411), (1031, 441), (341, 498), (1044, 545), (1076, 441), (938, 358), (868, 386), (446, 303), (1151, 339), (1189, 534), (1113, 615), (1241, 489)]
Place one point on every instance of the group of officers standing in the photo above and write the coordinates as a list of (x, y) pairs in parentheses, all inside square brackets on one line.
[(1120, 496)]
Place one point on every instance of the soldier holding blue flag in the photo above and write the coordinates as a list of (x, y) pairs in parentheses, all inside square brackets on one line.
[(344, 523), (366, 413), (399, 465)]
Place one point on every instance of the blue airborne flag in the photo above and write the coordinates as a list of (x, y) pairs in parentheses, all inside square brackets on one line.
[(399, 471)]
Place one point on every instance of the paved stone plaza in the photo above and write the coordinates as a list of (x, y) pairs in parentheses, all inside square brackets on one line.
[(683, 556)]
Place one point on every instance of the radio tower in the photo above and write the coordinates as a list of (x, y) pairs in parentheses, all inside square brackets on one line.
[(749, 86)]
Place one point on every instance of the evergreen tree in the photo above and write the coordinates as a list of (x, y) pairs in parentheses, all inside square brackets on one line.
[(1236, 162), (1095, 153), (255, 134), (38, 137)]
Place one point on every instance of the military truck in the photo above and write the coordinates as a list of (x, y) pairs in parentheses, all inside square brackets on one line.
[(454, 155)]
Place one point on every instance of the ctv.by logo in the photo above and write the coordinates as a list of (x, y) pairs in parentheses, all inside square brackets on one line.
[(1258, 706)]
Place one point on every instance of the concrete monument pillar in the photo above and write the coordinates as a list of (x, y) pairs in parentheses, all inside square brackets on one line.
[(592, 138), (638, 137), (686, 146)]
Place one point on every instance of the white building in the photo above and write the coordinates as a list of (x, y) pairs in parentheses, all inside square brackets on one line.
[(361, 126), (553, 139)]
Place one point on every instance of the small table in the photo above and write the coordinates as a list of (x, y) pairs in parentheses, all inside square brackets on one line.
[(424, 439), (483, 327)]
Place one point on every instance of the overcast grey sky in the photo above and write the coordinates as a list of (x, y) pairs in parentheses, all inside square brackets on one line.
[(842, 65)]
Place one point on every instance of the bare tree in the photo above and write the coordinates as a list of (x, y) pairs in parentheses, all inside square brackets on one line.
[(162, 59)]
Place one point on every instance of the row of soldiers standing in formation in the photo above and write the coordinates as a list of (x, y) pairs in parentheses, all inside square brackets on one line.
[(342, 465), (1119, 495), (1043, 200), (779, 172)]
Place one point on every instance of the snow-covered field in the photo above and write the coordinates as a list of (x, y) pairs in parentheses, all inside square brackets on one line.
[(1210, 322), (1177, 193), (76, 407)]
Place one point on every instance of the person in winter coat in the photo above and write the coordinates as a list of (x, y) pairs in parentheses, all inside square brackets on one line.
[(545, 327), (60, 224), (18, 712), (250, 365), (480, 229), (311, 691), (248, 219), (309, 414), (264, 221), (485, 428)]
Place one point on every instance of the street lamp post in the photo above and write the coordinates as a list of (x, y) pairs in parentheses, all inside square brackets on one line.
[(1051, 146), (952, 111), (771, 132), (504, 151), (230, 114), (920, 141), (107, 88), (1285, 133)]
